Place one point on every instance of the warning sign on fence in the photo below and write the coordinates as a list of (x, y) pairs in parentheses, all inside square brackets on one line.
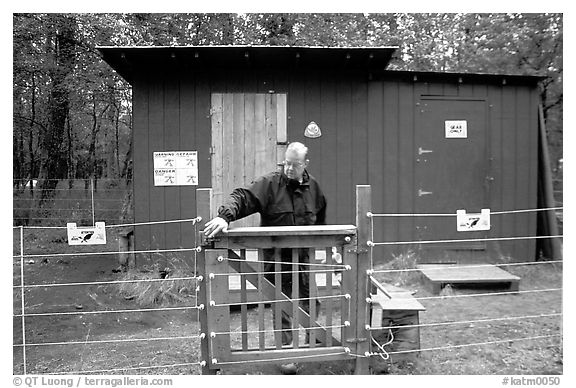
[(176, 168), (472, 221), (86, 235)]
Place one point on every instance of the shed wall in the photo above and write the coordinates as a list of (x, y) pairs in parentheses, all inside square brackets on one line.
[(367, 138)]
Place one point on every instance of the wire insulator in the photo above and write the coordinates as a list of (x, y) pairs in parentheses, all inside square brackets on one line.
[(201, 307), (202, 363), (214, 361), (200, 278), (346, 323), (211, 276), (212, 303), (370, 243), (369, 214)]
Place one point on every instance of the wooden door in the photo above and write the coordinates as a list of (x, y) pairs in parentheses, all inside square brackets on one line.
[(451, 170), (248, 140)]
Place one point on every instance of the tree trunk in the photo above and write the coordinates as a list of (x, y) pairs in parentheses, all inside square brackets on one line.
[(18, 143), (52, 142), (70, 153)]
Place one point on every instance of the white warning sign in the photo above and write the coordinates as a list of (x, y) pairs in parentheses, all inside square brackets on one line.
[(86, 235), (472, 221), (176, 168), (456, 128)]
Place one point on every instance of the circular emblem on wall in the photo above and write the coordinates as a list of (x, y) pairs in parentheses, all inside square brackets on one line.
[(312, 130)]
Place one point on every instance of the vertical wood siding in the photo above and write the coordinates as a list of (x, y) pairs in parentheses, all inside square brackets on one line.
[(367, 138)]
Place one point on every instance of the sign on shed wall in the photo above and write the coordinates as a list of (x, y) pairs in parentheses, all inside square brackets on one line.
[(456, 129), (176, 168)]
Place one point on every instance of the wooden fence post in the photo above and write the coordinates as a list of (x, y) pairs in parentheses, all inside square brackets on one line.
[(363, 206), (203, 210)]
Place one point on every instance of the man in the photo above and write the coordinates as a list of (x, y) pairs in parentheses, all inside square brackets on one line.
[(286, 198)]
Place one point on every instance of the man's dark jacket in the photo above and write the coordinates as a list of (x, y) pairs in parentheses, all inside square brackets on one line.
[(279, 200)]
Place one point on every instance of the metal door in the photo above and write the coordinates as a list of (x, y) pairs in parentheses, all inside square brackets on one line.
[(451, 172), (248, 140)]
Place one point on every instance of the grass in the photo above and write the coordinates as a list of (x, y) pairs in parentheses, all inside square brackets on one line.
[(159, 293)]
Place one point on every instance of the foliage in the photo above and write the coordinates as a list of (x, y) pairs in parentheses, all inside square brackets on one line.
[(72, 112)]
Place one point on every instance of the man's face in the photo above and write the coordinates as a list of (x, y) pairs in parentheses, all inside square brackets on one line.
[(294, 165)]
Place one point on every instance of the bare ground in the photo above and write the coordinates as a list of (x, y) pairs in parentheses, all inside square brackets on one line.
[(515, 356)]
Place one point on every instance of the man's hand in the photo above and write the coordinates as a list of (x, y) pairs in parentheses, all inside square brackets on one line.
[(215, 226)]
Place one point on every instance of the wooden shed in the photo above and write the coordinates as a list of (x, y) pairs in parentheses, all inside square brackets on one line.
[(427, 142)]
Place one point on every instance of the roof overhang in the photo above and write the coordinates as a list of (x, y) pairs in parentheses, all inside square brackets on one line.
[(460, 78), (126, 60)]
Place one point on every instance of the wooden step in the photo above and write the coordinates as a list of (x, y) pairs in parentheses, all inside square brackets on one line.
[(439, 275)]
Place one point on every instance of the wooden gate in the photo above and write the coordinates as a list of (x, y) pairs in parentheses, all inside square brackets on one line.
[(335, 328)]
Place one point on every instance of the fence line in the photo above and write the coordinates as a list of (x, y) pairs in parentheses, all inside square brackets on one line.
[(446, 266), (279, 272), (341, 266), (68, 200), (200, 363), (279, 330), (26, 190), (193, 220), (24, 314), (347, 296), (488, 294), (158, 251), (471, 344), (67, 210), (109, 341), (468, 321), (108, 282), (22, 294), (199, 307), (110, 311), (370, 214), (373, 244), (346, 351)]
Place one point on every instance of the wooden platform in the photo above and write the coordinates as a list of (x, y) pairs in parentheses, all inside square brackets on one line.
[(440, 275)]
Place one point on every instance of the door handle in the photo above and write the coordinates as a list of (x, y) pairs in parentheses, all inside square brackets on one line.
[(423, 151), (422, 192)]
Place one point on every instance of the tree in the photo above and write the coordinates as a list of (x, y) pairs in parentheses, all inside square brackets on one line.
[(60, 79)]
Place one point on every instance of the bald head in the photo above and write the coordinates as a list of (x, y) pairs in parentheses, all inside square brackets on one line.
[(297, 149), (295, 161)]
